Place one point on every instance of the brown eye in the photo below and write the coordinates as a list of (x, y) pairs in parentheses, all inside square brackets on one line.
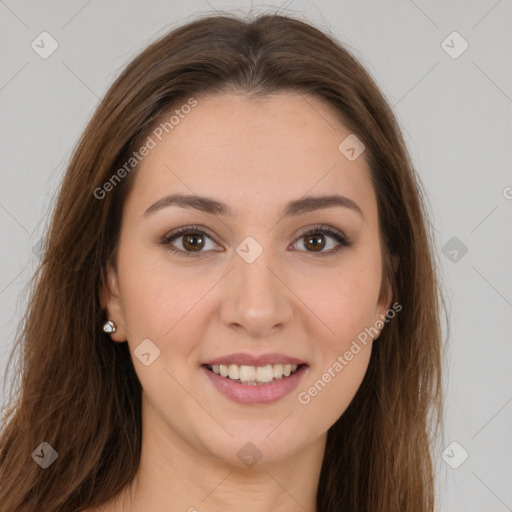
[(323, 237), (316, 242), (193, 242)]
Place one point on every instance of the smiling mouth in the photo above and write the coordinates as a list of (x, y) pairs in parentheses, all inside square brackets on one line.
[(254, 375)]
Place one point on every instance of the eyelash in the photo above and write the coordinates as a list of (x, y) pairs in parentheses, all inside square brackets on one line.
[(343, 241)]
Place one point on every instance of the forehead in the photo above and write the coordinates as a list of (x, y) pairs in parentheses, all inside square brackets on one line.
[(253, 151)]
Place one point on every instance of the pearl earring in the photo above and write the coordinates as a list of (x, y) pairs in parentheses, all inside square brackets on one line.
[(109, 327)]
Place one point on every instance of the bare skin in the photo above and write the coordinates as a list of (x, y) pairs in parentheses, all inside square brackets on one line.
[(255, 155)]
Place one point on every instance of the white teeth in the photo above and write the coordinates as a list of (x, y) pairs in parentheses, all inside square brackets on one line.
[(247, 373), (254, 374), (278, 371), (234, 371), (264, 373)]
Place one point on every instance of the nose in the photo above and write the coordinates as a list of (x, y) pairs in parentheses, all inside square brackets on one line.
[(256, 299)]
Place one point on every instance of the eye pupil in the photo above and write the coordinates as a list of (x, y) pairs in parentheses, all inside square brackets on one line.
[(195, 237), (314, 239)]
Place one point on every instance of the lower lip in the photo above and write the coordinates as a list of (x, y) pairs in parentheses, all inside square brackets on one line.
[(258, 394)]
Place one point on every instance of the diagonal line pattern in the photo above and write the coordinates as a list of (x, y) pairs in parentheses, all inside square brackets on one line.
[(279, 424), (492, 81), (13, 77), (492, 211), (213, 8), (485, 15), (74, 16), (3, 3), (285, 490), (14, 218), (415, 85), (487, 281), (81, 80), (425, 14), (491, 419), (216, 487), (483, 483), (432, 226), (11, 281), (303, 97)]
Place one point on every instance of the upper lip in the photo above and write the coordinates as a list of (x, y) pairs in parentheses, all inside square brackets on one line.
[(242, 359)]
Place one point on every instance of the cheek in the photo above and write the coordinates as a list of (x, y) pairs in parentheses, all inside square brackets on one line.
[(327, 394), (153, 294), (163, 301), (344, 300), (341, 359)]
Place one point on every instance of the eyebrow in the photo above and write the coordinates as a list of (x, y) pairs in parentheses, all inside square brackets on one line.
[(293, 208)]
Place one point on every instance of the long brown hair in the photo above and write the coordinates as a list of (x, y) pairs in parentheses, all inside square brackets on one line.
[(79, 392)]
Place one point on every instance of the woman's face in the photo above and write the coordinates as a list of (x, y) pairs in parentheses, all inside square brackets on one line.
[(249, 282)]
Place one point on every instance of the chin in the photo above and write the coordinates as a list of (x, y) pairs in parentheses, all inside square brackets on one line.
[(255, 448)]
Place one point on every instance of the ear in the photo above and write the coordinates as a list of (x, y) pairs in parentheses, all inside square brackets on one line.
[(385, 298), (111, 301)]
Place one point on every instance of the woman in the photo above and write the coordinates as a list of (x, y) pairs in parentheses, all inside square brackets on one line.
[(238, 306)]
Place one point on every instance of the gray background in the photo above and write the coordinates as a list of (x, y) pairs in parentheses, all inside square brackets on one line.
[(455, 114)]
